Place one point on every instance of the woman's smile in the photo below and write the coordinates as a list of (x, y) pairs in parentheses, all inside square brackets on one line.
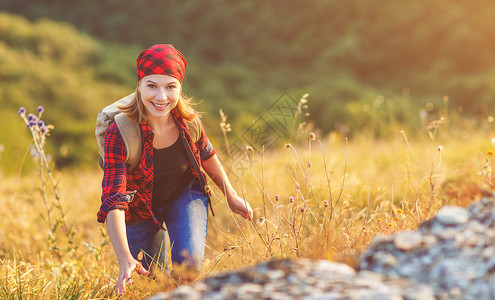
[(160, 106)]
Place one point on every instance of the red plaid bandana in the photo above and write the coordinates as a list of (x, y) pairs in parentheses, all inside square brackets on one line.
[(161, 59)]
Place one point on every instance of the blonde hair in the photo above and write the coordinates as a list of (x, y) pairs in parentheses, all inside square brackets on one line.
[(135, 110)]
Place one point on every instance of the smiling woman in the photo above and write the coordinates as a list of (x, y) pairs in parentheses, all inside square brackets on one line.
[(168, 188)]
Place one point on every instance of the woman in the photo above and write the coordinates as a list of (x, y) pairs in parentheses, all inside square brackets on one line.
[(168, 187)]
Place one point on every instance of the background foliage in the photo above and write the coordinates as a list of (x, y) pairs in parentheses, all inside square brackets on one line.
[(356, 59)]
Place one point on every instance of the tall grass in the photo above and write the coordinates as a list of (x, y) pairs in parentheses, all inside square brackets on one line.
[(326, 197)]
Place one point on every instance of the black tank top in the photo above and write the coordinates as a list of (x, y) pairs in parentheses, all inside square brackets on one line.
[(171, 174)]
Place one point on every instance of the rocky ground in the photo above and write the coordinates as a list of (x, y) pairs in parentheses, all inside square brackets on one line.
[(451, 256), (454, 253)]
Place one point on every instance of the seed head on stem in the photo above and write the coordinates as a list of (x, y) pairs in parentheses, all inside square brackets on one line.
[(312, 136)]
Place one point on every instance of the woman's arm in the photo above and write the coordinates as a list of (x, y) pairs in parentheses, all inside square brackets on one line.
[(127, 263), (238, 205)]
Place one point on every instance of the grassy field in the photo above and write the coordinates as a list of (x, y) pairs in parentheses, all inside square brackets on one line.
[(327, 197)]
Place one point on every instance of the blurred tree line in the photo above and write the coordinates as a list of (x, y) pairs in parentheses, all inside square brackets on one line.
[(358, 60)]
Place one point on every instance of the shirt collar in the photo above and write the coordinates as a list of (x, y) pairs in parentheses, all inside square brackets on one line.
[(146, 130)]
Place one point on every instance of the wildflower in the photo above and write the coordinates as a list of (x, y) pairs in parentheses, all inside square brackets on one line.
[(325, 203), (44, 129), (40, 109), (400, 211), (379, 219), (41, 124), (489, 152), (396, 219), (390, 224), (291, 199), (276, 197), (31, 117), (287, 146), (21, 111), (312, 136), (31, 123)]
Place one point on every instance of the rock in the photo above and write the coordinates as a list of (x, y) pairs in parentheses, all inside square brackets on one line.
[(452, 215), (407, 240)]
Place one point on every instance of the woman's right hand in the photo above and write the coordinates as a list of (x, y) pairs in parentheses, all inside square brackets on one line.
[(127, 263), (126, 268)]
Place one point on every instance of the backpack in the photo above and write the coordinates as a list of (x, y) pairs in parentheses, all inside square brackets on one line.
[(129, 130)]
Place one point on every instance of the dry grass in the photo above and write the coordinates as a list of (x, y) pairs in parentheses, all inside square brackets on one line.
[(352, 191)]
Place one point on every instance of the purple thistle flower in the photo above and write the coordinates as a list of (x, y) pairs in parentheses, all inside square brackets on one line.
[(40, 109), (31, 123), (291, 199), (31, 117), (276, 197), (21, 111), (41, 124), (44, 129)]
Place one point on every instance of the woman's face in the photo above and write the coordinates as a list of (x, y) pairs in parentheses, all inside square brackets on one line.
[(160, 94)]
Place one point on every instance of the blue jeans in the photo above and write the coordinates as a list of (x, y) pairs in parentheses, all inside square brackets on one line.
[(186, 220)]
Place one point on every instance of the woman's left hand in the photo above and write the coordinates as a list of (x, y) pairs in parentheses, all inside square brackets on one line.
[(240, 206)]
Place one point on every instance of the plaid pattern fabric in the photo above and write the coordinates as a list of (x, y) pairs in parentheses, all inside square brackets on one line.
[(161, 59), (131, 190)]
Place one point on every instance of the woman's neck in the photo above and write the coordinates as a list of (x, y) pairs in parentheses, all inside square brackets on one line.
[(160, 125)]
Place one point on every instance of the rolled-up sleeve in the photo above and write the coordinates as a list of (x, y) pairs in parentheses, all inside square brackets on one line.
[(204, 145), (114, 193)]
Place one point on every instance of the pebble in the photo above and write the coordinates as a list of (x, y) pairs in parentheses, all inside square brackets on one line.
[(452, 215), (407, 240)]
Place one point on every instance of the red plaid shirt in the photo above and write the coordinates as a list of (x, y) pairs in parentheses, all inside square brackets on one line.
[(131, 190)]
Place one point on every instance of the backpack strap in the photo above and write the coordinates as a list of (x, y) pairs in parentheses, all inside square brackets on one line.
[(131, 134), (129, 130)]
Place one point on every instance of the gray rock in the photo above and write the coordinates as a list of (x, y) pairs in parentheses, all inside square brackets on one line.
[(452, 215), (407, 240)]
